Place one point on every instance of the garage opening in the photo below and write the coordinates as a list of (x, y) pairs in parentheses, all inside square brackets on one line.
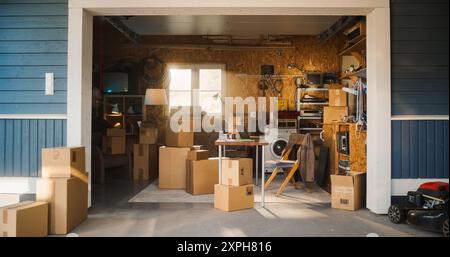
[(148, 68)]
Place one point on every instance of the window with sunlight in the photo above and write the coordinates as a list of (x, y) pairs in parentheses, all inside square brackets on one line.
[(204, 80)]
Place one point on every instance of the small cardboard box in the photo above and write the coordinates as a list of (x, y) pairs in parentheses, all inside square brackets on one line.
[(148, 134), (336, 96), (237, 171), (115, 132), (201, 176), (233, 198), (348, 192), (145, 162), (68, 201), (172, 167), (196, 147), (195, 155), (334, 114), (179, 139), (25, 219), (113, 145), (64, 162)]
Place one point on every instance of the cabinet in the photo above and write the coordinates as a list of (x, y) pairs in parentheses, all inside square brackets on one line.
[(357, 146)]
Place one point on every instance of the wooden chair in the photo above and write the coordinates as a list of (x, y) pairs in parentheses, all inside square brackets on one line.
[(283, 164)]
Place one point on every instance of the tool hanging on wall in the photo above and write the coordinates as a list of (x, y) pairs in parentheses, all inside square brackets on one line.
[(272, 82)]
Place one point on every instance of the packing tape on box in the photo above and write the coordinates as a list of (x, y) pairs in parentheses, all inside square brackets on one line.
[(249, 190)]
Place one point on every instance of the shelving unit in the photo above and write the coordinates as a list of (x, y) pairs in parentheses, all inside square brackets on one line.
[(304, 122), (124, 119), (362, 73)]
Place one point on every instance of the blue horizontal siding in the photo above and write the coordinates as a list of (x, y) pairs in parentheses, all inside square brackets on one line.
[(33, 9), (18, 47), (419, 47), (30, 84), (33, 41), (420, 149), (33, 22), (48, 108), (21, 142)]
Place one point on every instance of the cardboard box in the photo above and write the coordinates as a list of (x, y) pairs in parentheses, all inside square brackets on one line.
[(148, 133), (334, 114), (172, 167), (237, 171), (115, 132), (348, 192), (196, 147), (25, 219), (180, 139), (68, 201), (113, 145), (195, 155), (233, 198), (337, 97), (145, 162), (201, 176), (64, 162)]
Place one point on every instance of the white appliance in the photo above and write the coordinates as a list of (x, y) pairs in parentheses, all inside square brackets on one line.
[(273, 151)]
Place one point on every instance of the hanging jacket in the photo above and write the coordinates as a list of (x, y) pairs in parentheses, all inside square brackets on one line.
[(305, 154)]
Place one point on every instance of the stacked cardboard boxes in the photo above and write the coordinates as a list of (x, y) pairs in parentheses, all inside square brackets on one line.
[(236, 189), (114, 142), (145, 153), (64, 186), (202, 172), (337, 107), (172, 159), (145, 164)]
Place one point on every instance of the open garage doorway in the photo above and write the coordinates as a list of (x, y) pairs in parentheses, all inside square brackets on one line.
[(81, 27)]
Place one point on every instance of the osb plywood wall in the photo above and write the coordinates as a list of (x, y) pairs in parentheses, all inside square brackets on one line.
[(242, 65)]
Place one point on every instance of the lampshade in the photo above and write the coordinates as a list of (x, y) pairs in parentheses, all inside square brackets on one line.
[(155, 96)]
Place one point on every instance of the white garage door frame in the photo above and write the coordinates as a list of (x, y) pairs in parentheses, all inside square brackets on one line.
[(79, 103)]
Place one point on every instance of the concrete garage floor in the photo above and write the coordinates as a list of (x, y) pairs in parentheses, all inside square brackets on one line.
[(113, 215)]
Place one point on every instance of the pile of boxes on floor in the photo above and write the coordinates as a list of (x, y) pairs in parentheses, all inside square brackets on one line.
[(145, 153), (185, 166), (61, 197), (114, 142), (347, 192)]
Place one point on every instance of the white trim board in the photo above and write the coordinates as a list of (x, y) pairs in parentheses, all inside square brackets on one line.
[(16, 185), (400, 187), (33, 116), (419, 117)]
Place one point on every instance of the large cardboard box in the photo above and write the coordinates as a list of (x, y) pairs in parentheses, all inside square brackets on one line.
[(113, 145), (64, 162), (334, 114), (172, 167), (195, 155), (145, 162), (148, 133), (25, 219), (336, 96), (237, 171), (179, 139), (201, 176), (68, 201), (115, 132), (233, 198), (348, 192)]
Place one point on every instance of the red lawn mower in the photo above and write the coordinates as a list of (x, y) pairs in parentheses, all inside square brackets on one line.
[(426, 208)]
